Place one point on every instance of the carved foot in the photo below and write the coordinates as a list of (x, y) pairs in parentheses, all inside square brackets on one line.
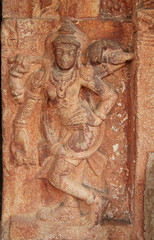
[(44, 214), (95, 216), (60, 214), (97, 209)]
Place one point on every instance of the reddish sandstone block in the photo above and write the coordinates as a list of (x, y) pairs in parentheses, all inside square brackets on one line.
[(34, 8), (29, 193), (83, 8), (119, 31), (144, 120), (20, 229), (26, 34), (118, 8), (20, 9)]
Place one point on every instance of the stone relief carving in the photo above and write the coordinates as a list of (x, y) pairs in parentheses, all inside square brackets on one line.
[(10, 34), (72, 122), (117, 8), (48, 9)]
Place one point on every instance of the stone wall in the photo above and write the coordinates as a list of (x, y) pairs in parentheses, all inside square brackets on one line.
[(128, 141), (143, 19), (1, 146), (149, 199)]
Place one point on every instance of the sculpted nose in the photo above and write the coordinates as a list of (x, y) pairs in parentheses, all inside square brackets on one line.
[(65, 57)]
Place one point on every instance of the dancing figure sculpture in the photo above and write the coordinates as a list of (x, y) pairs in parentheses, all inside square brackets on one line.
[(72, 121)]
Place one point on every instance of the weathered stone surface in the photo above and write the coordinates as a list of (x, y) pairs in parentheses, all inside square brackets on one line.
[(116, 9), (144, 110), (149, 199), (146, 4), (69, 107), (83, 8), (34, 8), (121, 32), (18, 9), (51, 9), (33, 37), (99, 232), (26, 35)]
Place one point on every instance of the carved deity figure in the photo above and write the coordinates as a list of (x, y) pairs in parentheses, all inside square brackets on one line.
[(72, 122)]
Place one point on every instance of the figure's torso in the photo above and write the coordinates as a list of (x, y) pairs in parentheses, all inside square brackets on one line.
[(70, 105)]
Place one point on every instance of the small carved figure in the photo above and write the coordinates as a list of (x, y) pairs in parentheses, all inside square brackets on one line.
[(73, 123)]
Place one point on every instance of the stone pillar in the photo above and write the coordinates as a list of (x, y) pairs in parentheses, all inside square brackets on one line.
[(143, 210)]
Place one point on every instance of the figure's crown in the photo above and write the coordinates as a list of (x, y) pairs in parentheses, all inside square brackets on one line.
[(67, 33), (67, 28)]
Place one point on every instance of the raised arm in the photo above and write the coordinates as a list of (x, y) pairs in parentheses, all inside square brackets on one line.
[(106, 56)]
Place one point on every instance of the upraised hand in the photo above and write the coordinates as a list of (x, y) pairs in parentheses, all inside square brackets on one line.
[(20, 65)]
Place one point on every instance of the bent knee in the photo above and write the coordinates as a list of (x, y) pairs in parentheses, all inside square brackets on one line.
[(55, 180), (58, 181)]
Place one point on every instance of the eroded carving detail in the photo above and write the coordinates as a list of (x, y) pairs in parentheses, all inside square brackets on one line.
[(48, 9), (72, 120), (10, 34), (116, 8)]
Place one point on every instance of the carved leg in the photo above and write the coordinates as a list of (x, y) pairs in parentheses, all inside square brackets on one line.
[(61, 179), (77, 174)]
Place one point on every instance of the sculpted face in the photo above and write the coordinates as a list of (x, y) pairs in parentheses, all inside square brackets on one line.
[(65, 55)]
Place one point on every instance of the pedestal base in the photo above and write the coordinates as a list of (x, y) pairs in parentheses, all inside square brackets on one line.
[(28, 228)]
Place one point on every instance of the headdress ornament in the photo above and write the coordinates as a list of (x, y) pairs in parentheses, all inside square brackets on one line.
[(67, 34)]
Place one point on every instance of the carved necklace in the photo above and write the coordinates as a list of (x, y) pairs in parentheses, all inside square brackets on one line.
[(62, 80)]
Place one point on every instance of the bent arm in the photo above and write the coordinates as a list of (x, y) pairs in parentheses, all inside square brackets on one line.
[(107, 102), (106, 69), (107, 93), (106, 56)]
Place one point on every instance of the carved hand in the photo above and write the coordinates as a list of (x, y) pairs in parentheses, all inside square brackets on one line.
[(108, 51), (20, 147), (116, 56), (64, 153), (20, 65)]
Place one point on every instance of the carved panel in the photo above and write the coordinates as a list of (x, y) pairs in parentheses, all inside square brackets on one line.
[(116, 8), (148, 198), (83, 8), (15, 8), (65, 108), (108, 30), (146, 4), (9, 36), (144, 123), (34, 8)]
